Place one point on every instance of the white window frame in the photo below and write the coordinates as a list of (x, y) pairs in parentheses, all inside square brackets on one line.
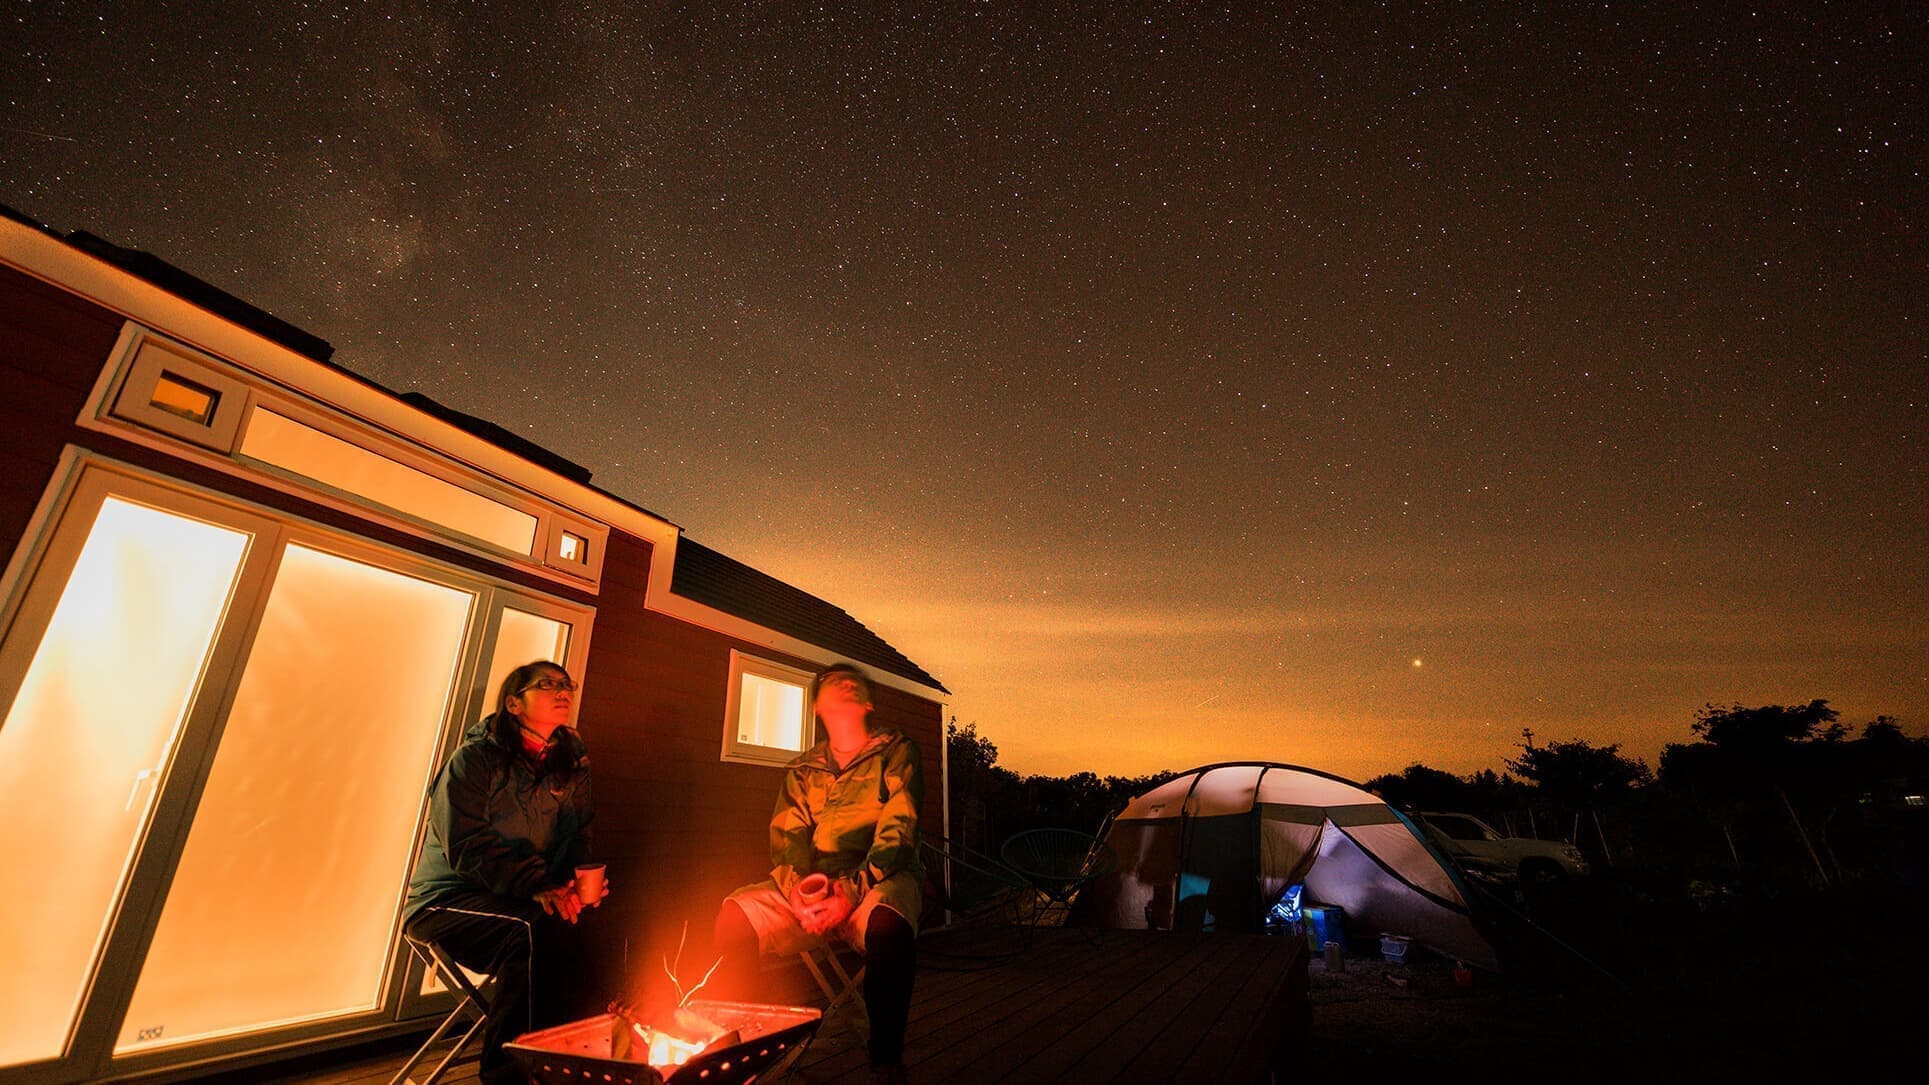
[(745, 753), (147, 361), (45, 550), (119, 405)]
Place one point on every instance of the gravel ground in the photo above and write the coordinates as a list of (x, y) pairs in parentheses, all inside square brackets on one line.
[(1820, 1020)]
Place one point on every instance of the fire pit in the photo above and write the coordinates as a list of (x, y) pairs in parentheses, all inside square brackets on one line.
[(587, 1051)]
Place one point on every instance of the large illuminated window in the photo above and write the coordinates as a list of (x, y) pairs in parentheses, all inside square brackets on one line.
[(766, 720), (285, 899), (285, 443), (86, 744), (524, 638)]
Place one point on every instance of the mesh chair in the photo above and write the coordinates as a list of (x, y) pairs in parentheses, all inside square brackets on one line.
[(973, 887), (1056, 864)]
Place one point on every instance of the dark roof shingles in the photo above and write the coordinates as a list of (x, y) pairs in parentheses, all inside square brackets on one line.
[(714, 579)]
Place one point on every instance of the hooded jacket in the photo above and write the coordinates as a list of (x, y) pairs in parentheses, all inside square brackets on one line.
[(858, 823), (498, 824)]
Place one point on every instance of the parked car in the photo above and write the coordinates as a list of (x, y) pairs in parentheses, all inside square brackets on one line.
[(1476, 846)]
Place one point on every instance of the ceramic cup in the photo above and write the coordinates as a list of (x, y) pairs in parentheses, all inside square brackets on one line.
[(813, 888)]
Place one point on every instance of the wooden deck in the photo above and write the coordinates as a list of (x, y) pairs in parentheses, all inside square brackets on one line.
[(1078, 1006)]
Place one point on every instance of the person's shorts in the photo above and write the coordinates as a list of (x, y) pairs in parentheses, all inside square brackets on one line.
[(779, 933)]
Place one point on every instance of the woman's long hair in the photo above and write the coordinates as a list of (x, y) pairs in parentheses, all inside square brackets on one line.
[(559, 758)]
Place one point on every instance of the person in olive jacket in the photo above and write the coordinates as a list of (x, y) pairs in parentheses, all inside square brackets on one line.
[(848, 810), (509, 821)]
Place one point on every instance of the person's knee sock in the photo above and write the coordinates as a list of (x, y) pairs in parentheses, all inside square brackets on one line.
[(733, 940), (890, 964)]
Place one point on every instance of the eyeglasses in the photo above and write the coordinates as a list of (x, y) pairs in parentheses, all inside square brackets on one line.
[(550, 685)]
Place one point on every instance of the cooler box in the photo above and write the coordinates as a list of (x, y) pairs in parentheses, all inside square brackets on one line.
[(1324, 923)]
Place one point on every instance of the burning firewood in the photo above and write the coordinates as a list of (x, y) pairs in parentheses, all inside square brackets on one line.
[(682, 1037)]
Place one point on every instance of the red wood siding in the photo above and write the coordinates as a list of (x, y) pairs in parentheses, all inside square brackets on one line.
[(679, 827), (52, 345)]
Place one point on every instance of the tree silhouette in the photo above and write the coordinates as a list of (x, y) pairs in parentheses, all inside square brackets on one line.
[(1743, 748), (1582, 776), (1767, 731), (979, 786), (1418, 787)]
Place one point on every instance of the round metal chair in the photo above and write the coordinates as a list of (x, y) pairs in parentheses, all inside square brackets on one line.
[(1057, 863)]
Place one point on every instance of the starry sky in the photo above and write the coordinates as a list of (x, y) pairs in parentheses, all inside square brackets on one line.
[(1335, 383)]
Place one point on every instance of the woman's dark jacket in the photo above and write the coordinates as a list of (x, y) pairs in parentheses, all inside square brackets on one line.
[(498, 824)]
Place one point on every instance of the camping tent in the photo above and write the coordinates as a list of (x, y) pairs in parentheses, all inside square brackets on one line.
[(1217, 847)]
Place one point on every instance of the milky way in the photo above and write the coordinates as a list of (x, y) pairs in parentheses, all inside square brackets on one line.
[(1167, 381)]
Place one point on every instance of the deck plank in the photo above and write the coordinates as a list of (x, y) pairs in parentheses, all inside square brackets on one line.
[(1076, 1006), (1216, 1026), (996, 1054), (1253, 1023), (1105, 1048), (946, 1007)]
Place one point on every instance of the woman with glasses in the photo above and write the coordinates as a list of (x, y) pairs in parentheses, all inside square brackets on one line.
[(509, 818)]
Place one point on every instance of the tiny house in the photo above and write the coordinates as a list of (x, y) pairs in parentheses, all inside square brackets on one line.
[(250, 602)]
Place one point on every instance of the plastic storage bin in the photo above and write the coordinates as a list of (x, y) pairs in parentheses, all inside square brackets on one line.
[(1394, 947)]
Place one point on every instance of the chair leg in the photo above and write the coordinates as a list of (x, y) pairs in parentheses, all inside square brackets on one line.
[(848, 985), (441, 1030), (470, 1000)]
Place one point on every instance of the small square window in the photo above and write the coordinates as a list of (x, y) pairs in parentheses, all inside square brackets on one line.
[(170, 390), (768, 720), (183, 398), (573, 546)]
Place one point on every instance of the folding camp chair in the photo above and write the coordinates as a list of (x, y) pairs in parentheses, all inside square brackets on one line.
[(837, 983), (470, 1002)]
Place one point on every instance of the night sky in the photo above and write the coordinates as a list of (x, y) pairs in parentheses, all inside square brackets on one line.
[(1342, 386)]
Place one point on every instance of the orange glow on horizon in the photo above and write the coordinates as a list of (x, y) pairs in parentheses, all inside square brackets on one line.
[(1132, 663)]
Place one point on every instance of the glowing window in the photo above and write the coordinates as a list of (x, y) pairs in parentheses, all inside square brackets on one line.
[(523, 638), (86, 744), (289, 888), (766, 720), (172, 390), (573, 546), (183, 398), (312, 454)]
